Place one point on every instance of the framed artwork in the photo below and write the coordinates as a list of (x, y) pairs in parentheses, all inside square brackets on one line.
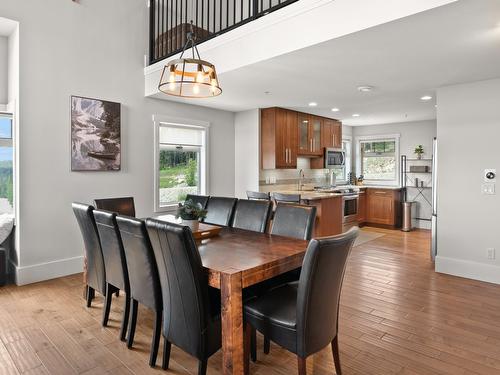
[(95, 135)]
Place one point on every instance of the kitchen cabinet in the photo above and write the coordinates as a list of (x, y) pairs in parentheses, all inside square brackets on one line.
[(310, 130), (383, 207), (279, 143), (331, 136), (362, 207)]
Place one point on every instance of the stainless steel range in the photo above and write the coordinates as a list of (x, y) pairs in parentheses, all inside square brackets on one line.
[(350, 200)]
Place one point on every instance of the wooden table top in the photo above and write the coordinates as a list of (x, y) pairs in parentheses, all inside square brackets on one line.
[(257, 256)]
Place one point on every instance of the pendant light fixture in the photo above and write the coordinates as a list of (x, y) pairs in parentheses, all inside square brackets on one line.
[(190, 77)]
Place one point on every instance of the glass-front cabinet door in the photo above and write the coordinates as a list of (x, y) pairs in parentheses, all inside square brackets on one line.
[(304, 140), (316, 135)]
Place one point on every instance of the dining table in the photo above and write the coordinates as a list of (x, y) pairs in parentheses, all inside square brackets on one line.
[(236, 259)]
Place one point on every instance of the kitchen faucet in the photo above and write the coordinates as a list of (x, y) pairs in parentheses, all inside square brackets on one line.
[(301, 180)]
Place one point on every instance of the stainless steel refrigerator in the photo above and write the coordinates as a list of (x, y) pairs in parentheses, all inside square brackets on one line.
[(434, 199)]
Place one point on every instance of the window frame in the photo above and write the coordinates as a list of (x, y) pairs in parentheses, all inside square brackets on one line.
[(159, 121), (379, 138), (10, 142)]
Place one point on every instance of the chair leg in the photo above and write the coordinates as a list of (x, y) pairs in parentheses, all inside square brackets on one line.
[(89, 295), (107, 304), (202, 367), (156, 339), (117, 293), (336, 356), (302, 366), (267, 344), (126, 313), (167, 346), (253, 345), (248, 330), (132, 323)]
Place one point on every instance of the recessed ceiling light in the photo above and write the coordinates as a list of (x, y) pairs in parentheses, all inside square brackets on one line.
[(356, 115), (426, 98), (335, 109), (365, 88), (313, 104)]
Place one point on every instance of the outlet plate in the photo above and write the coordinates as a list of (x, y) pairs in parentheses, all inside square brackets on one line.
[(488, 189), (491, 253)]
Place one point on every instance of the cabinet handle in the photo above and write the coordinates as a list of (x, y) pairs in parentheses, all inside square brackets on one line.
[(311, 144), (333, 140), (288, 155)]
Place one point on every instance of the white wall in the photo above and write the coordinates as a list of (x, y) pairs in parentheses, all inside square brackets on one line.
[(3, 70), (468, 128), (94, 49), (247, 152)]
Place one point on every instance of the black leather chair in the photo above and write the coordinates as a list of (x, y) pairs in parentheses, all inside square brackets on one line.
[(303, 317), (191, 320), (144, 280), (252, 215), (294, 220), (115, 264), (290, 220), (286, 198), (201, 199), (257, 195), (96, 274), (220, 210), (122, 206)]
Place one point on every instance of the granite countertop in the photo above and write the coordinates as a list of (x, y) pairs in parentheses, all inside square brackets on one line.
[(388, 187), (310, 195)]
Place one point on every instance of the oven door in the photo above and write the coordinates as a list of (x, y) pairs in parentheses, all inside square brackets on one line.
[(334, 157), (350, 208)]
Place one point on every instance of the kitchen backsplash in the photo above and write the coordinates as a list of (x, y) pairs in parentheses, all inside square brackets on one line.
[(291, 176)]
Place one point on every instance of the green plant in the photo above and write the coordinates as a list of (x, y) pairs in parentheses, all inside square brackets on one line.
[(191, 172), (419, 150), (191, 211)]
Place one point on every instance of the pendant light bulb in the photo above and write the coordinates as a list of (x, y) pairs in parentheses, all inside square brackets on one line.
[(171, 78), (196, 89), (200, 76)]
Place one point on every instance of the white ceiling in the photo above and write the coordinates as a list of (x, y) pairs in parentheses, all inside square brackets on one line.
[(403, 60), (7, 26)]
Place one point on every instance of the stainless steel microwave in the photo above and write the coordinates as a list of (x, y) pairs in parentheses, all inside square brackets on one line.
[(334, 157)]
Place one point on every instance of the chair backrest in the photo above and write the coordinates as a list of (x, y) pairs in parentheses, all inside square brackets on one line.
[(201, 199), (96, 274), (257, 195), (112, 249), (184, 285), (288, 198), (142, 270), (252, 215), (294, 220), (318, 294), (220, 210), (122, 205)]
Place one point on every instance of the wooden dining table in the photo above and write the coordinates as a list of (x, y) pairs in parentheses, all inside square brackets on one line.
[(237, 259)]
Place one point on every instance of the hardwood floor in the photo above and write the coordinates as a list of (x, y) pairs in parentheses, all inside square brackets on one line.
[(397, 317)]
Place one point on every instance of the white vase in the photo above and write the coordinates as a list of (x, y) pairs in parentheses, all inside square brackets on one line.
[(193, 224)]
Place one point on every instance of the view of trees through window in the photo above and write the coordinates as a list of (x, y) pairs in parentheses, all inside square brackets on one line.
[(6, 165), (378, 160), (178, 175)]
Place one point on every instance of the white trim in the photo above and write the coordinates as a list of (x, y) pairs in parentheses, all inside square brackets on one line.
[(468, 269), (48, 270), (181, 122), (362, 138), (3, 108)]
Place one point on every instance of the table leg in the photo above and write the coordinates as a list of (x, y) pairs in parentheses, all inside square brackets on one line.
[(232, 324)]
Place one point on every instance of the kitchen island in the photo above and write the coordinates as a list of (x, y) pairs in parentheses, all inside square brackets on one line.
[(375, 205)]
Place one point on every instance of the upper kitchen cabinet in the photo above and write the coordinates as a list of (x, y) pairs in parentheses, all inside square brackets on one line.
[(279, 138), (310, 128), (331, 135)]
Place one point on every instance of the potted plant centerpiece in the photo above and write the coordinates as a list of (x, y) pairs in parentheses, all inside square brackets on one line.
[(191, 213), (419, 151)]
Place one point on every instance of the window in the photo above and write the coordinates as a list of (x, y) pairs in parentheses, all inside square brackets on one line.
[(6, 165), (180, 163), (379, 159)]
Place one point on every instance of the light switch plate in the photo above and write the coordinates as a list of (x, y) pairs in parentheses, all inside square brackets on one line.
[(488, 189)]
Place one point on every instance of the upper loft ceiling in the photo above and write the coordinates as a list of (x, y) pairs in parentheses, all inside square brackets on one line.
[(403, 60), (7, 26)]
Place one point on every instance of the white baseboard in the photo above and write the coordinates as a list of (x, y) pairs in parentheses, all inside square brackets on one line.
[(468, 269), (46, 271)]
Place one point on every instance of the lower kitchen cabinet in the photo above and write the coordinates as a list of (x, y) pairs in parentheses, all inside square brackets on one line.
[(362, 207), (383, 207)]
